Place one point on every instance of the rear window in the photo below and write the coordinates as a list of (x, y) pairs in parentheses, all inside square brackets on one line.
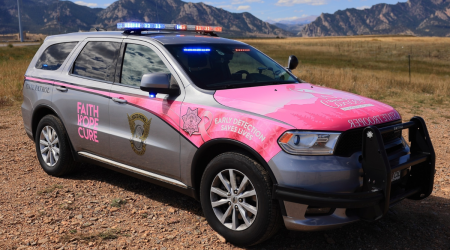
[(96, 60), (54, 56)]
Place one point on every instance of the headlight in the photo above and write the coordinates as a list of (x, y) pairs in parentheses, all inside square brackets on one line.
[(308, 143)]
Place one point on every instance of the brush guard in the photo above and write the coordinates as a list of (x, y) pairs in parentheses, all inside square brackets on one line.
[(379, 171), (379, 192)]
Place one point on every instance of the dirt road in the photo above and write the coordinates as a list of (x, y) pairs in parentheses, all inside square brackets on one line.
[(96, 208)]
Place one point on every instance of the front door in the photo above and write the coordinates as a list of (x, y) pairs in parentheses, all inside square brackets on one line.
[(144, 129)]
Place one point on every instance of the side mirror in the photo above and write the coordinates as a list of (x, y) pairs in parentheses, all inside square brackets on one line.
[(292, 62), (159, 83)]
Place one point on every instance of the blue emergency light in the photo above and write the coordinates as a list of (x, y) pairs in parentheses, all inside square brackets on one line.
[(196, 50)]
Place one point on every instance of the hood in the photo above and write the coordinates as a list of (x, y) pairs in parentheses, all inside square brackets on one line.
[(309, 107)]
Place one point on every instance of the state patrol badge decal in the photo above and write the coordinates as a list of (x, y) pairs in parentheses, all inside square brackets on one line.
[(140, 128), (191, 121)]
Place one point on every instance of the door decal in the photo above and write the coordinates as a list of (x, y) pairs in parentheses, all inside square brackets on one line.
[(140, 128), (87, 121)]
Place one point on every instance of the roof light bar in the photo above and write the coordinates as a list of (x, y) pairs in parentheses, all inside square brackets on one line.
[(242, 50), (196, 50), (163, 26)]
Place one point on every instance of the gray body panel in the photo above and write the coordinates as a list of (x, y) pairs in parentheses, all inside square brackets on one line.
[(69, 106), (162, 146), (35, 95)]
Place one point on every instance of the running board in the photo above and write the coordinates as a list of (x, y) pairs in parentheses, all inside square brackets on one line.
[(134, 170)]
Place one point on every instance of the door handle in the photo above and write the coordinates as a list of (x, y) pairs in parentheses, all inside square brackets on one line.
[(62, 89), (119, 100)]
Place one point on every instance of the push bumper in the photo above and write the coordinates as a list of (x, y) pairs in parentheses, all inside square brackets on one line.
[(378, 192)]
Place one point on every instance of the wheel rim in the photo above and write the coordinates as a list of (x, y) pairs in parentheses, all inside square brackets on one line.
[(49, 146), (234, 199)]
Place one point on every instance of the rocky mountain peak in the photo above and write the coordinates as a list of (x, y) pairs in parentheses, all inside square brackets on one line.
[(415, 17)]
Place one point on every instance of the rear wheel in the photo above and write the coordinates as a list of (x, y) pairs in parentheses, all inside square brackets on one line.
[(52, 147), (236, 197)]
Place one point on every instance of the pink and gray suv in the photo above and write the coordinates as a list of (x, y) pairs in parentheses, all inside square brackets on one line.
[(218, 120)]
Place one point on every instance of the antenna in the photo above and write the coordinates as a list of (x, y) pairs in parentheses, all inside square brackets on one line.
[(20, 21), (59, 15), (157, 17)]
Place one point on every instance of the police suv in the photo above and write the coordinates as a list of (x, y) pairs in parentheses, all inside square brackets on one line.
[(218, 120)]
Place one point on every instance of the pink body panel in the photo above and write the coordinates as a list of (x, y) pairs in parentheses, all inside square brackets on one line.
[(259, 133), (200, 124), (309, 107)]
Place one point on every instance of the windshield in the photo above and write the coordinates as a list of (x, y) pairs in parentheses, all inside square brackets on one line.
[(224, 66)]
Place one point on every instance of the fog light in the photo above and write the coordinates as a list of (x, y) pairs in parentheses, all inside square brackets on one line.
[(317, 210)]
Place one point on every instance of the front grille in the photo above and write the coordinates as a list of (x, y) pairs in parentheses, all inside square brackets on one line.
[(350, 141)]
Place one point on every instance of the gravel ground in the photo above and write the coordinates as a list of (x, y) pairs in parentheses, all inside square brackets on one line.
[(96, 208)]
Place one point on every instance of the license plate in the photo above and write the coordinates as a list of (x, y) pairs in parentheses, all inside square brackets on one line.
[(396, 176)]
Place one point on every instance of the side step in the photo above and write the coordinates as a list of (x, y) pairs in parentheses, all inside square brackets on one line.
[(134, 170)]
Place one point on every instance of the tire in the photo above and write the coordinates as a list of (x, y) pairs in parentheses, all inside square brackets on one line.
[(257, 228), (54, 164)]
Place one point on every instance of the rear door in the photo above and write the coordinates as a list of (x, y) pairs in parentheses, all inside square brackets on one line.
[(144, 130), (81, 96)]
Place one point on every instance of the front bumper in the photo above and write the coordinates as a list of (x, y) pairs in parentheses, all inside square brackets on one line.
[(377, 192)]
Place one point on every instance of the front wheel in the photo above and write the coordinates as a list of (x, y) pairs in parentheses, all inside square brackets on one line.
[(236, 197)]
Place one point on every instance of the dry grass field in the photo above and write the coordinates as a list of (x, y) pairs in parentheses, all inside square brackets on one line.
[(371, 66), (13, 64)]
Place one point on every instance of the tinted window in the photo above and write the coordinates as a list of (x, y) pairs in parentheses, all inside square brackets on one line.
[(139, 60), (223, 66), (54, 56), (96, 60)]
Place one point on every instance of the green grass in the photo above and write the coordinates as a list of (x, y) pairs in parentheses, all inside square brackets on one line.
[(50, 189), (118, 202)]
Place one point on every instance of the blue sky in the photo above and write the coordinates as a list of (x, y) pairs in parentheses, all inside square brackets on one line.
[(273, 9)]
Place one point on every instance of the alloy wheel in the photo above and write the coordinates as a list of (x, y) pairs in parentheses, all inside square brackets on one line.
[(49, 145), (234, 199)]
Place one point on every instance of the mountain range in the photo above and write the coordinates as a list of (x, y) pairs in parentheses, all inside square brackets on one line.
[(293, 25), (41, 16), (415, 17)]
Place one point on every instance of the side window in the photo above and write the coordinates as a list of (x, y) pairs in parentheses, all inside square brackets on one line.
[(139, 60), (54, 56), (96, 60)]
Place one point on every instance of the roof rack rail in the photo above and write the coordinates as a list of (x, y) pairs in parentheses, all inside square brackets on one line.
[(135, 28)]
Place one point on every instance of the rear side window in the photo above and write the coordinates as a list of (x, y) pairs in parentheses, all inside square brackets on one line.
[(54, 56), (97, 60)]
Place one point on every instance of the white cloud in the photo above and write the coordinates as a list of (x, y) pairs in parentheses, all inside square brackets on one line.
[(86, 4), (293, 2), (243, 7), (246, 1), (363, 7), (106, 4)]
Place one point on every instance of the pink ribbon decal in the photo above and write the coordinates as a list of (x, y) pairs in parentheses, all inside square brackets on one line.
[(204, 126)]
